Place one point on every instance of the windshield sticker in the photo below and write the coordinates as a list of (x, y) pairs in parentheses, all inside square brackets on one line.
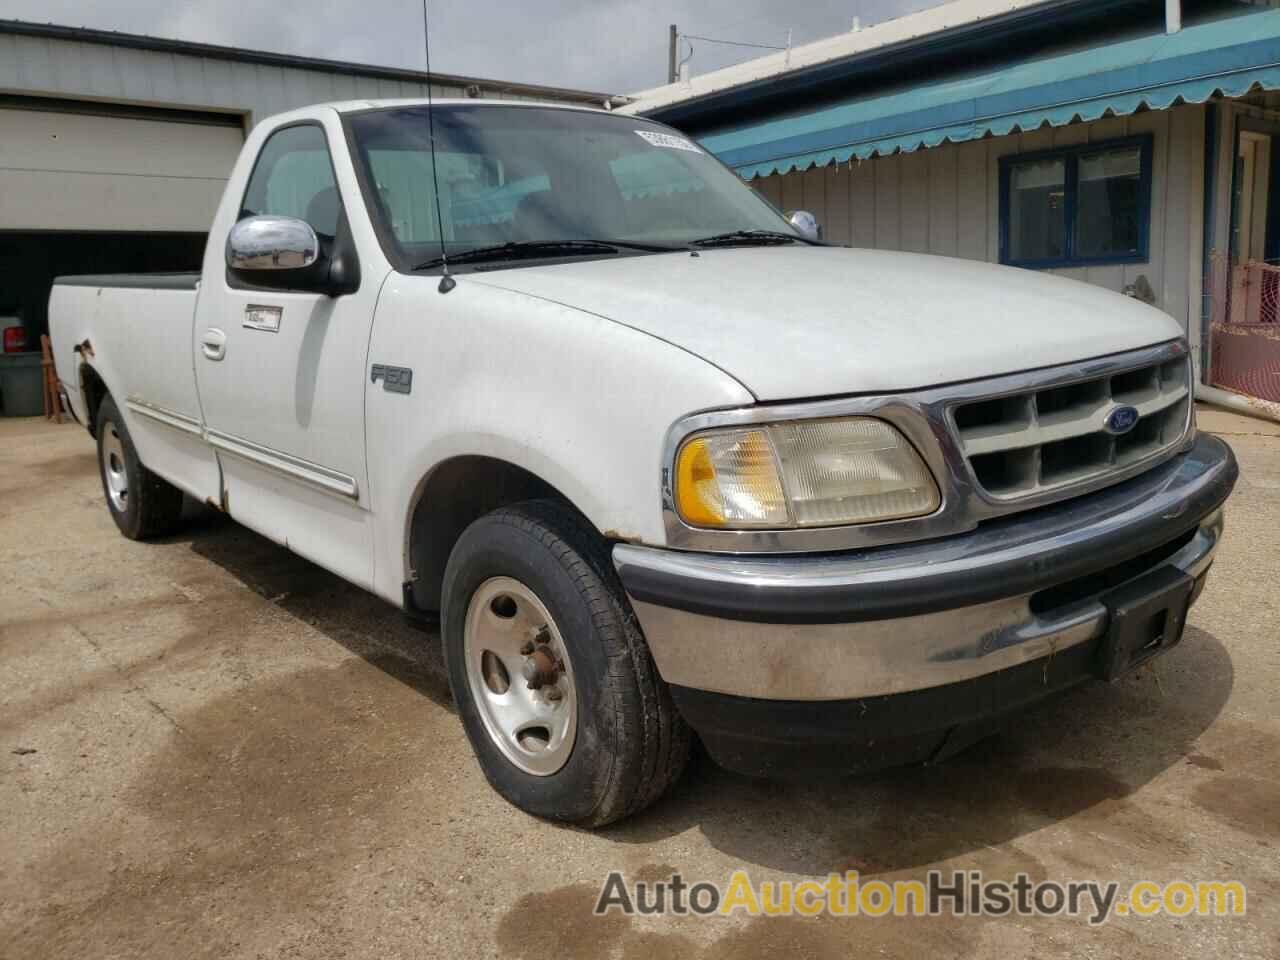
[(668, 140)]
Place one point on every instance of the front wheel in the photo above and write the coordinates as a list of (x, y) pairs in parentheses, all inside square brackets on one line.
[(555, 685)]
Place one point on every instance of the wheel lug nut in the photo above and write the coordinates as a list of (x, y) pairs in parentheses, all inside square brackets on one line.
[(554, 694), (540, 668)]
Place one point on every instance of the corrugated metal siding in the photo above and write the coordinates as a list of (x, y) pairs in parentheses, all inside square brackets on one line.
[(946, 200), (171, 175), (42, 66)]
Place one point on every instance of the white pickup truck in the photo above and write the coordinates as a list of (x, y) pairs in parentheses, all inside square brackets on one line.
[(661, 462)]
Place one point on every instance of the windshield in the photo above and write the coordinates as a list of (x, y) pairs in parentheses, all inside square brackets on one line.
[(542, 175)]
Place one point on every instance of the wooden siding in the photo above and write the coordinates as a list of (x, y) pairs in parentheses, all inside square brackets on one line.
[(946, 201)]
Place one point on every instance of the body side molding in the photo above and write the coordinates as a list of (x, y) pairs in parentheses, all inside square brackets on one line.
[(170, 418), (331, 481)]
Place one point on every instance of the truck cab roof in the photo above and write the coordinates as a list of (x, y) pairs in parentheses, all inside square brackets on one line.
[(356, 106)]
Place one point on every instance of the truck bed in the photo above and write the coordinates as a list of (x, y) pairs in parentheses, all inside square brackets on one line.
[(138, 326)]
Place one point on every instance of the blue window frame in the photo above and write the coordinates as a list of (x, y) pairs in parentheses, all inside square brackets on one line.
[(1085, 205)]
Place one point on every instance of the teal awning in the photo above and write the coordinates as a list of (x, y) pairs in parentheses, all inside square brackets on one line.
[(1229, 56)]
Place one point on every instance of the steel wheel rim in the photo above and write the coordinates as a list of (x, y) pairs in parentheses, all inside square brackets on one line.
[(113, 469), (534, 722)]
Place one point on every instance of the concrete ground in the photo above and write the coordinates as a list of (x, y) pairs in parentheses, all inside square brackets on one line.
[(211, 748)]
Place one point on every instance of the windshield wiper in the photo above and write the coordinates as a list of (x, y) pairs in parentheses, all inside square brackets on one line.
[(650, 247), (753, 237), (518, 249)]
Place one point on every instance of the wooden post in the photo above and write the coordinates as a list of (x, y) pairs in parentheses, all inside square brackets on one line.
[(52, 402)]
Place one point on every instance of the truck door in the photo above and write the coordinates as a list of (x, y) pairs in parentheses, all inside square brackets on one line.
[(281, 374)]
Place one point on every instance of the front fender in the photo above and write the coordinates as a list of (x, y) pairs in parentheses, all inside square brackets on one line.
[(581, 402)]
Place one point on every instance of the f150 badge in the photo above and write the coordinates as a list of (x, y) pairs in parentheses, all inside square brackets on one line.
[(394, 379)]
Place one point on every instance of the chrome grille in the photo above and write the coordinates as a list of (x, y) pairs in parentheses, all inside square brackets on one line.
[(1026, 443)]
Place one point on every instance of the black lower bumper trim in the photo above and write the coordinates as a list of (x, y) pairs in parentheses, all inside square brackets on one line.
[(787, 739)]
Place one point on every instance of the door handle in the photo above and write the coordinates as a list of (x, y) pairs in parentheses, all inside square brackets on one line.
[(214, 344)]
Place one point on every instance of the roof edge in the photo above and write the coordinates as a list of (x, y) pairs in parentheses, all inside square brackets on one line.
[(951, 26), (212, 51)]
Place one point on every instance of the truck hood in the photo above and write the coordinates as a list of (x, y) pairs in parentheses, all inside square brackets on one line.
[(798, 322)]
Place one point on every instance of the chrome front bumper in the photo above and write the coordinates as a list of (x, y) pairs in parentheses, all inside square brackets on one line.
[(898, 619)]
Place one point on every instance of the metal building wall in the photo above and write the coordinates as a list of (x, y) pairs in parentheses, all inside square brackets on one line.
[(56, 67), (85, 146)]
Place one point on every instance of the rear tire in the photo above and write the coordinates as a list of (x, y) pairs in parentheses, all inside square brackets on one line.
[(608, 739), (142, 504)]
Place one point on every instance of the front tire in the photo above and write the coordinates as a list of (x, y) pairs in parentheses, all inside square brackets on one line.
[(559, 696), (142, 504)]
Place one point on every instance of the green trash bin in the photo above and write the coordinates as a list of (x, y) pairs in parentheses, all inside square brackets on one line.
[(21, 384)]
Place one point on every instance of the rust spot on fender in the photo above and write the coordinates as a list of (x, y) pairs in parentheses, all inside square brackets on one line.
[(622, 537)]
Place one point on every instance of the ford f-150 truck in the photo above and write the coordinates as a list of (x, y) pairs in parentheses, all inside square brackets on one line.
[(661, 461)]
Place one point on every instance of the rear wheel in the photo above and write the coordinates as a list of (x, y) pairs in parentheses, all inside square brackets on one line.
[(553, 680), (142, 504)]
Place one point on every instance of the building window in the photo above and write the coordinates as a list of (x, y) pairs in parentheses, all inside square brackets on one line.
[(1079, 206)]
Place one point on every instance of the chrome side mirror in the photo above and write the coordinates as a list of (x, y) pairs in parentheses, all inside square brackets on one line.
[(272, 243), (806, 224)]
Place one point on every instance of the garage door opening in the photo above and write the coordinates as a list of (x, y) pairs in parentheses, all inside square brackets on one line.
[(103, 188), (30, 261)]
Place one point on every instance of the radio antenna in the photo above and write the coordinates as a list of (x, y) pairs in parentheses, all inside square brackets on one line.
[(447, 282)]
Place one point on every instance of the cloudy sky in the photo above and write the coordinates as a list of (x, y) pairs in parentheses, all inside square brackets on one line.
[(605, 45)]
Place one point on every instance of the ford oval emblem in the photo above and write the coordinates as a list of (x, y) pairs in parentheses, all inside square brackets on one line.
[(1121, 420)]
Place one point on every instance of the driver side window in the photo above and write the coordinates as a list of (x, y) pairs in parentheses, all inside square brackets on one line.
[(294, 178)]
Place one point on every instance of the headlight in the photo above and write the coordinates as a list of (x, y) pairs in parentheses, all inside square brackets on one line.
[(813, 473)]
